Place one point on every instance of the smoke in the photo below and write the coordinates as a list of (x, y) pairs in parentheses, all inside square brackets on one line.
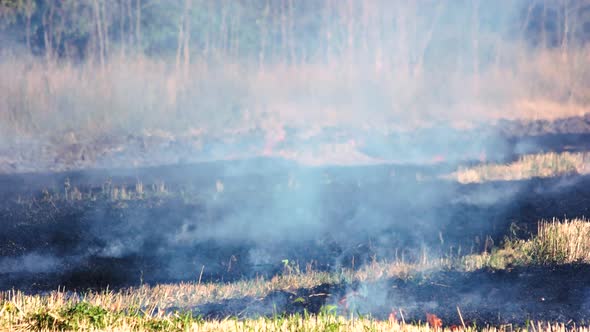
[(381, 66), (32, 263), (289, 131)]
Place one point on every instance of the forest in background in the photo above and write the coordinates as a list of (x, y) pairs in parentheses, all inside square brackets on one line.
[(98, 65), (290, 32)]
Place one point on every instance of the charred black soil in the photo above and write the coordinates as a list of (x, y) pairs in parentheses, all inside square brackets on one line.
[(484, 297), (327, 216), (501, 142), (234, 220)]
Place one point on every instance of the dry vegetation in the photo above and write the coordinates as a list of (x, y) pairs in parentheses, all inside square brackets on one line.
[(55, 313), (560, 242), (147, 308), (359, 77), (83, 316), (556, 242), (187, 295), (230, 66), (527, 167), (141, 94), (217, 69)]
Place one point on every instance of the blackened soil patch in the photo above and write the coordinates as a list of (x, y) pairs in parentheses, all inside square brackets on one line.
[(241, 220), (540, 293)]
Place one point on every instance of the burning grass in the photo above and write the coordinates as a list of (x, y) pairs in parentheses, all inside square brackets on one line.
[(186, 295), (171, 307), (162, 307), (526, 167), (18, 313)]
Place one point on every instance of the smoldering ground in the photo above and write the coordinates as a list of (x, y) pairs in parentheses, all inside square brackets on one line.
[(270, 213), (385, 97), (505, 297), (235, 220)]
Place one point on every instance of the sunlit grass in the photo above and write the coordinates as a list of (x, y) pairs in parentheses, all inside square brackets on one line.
[(527, 167), (144, 94), (167, 307), (556, 242), (74, 316), (191, 294)]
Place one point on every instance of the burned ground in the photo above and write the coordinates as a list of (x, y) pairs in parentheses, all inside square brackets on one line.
[(169, 236), (512, 296), (502, 142), (236, 220)]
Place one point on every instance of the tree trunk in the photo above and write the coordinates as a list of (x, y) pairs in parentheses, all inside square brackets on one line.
[(138, 25), (284, 32), (99, 33), (130, 23), (105, 18), (122, 27), (350, 27), (47, 21), (291, 34), (475, 38), (263, 36), (180, 38), (28, 13), (28, 34), (223, 29), (187, 37), (543, 23), (566, 26), (328, 10)]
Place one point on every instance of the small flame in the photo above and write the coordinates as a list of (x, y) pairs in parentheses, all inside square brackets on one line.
[(393, 318), (439, 158), (434, 321), (348, 299)]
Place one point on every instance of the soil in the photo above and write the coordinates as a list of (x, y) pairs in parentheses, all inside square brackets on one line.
[(514, 296), (329, 216), (240, 219), (500, 142)]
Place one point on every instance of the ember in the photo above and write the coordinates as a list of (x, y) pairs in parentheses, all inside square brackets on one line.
[(393, 318), (434, 321), (318, 162)]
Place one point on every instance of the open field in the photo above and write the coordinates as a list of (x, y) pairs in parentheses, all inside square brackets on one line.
[(216, 245), (237, 244), (296, 300), (84, 316), (179, 273), (294, 165), (528, 166), (42, 101)]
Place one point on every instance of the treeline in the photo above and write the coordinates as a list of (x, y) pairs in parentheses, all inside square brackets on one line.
[(289, 31), (101, 66)]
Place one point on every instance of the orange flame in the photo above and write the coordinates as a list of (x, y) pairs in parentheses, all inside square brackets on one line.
[(393, 318), (434, 321), (346, 299)]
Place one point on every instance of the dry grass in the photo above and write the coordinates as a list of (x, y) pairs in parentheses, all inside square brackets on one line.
[(147, 308), (527, 167), (144, 307), (53, 313), (185, 295), (556, 242), (133, 94)]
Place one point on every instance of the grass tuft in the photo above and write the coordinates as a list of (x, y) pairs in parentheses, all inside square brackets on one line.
[(526, 167), (556, 242)]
